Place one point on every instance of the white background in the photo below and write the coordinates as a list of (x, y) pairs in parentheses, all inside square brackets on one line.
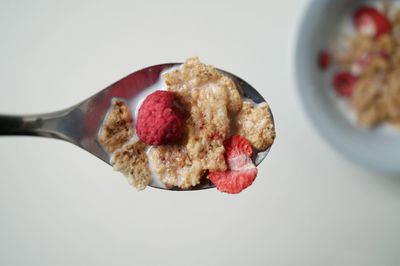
[(62, 206)]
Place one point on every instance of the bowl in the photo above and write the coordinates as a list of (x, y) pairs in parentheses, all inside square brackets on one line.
[(377, 149)]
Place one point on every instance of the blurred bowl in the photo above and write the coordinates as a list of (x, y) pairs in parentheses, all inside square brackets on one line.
[(377, 149)]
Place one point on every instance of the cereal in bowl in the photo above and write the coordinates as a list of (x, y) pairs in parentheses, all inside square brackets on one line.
[(368, 65)]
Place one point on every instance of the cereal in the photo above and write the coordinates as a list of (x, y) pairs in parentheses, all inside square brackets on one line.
[(209, 97), (132, 161), (375, 60), (117, 128), (174, 166), (194, 75), (182, 132), (255, 123), (208, 127)]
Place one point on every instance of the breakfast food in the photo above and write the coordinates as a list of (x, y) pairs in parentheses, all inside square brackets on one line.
[(188, 80), (368, 65), (159, 119), (324, 60), (241, 170), (198, 126), (209, 97), (371, 22), (174, 166), (343, 83), (132, 161), (255, 122), (117, 128)]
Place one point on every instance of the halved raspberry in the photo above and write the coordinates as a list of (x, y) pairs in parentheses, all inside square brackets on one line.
[(241, 170), (324, 59), (370, 21), (343, 83), (237, 145), (233, 182), (240, 162)]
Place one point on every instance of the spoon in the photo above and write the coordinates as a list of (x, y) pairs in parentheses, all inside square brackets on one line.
[(80, 123)]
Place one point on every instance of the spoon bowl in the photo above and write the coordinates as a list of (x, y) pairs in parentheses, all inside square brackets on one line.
[(80, 123)]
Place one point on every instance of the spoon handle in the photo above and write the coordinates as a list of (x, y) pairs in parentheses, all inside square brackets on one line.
[(44, 125), (13, 125), (78, 125)]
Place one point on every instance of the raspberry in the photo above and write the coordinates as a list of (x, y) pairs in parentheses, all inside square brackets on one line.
[(241, 170), (159, 121), (233, 182), (237, 145), (370, 21), (343, 83), (324, 60)]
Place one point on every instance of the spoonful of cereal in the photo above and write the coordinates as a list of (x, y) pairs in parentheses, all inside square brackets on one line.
[(171, 126)]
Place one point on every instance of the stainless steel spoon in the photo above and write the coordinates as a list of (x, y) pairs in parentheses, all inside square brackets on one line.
[(80, 123)]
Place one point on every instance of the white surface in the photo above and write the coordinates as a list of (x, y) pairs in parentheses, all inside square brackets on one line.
[(62, 206)]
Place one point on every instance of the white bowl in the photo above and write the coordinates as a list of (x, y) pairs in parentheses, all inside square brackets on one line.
[(377, 149)]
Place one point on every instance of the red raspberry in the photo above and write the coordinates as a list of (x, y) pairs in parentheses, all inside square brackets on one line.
[(324, 60), (159, 119), (343, 83), (241, 170), (371, 21), (237, 145), (233, 182)]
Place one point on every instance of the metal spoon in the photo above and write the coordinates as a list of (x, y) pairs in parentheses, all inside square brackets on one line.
[(80, 123)]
